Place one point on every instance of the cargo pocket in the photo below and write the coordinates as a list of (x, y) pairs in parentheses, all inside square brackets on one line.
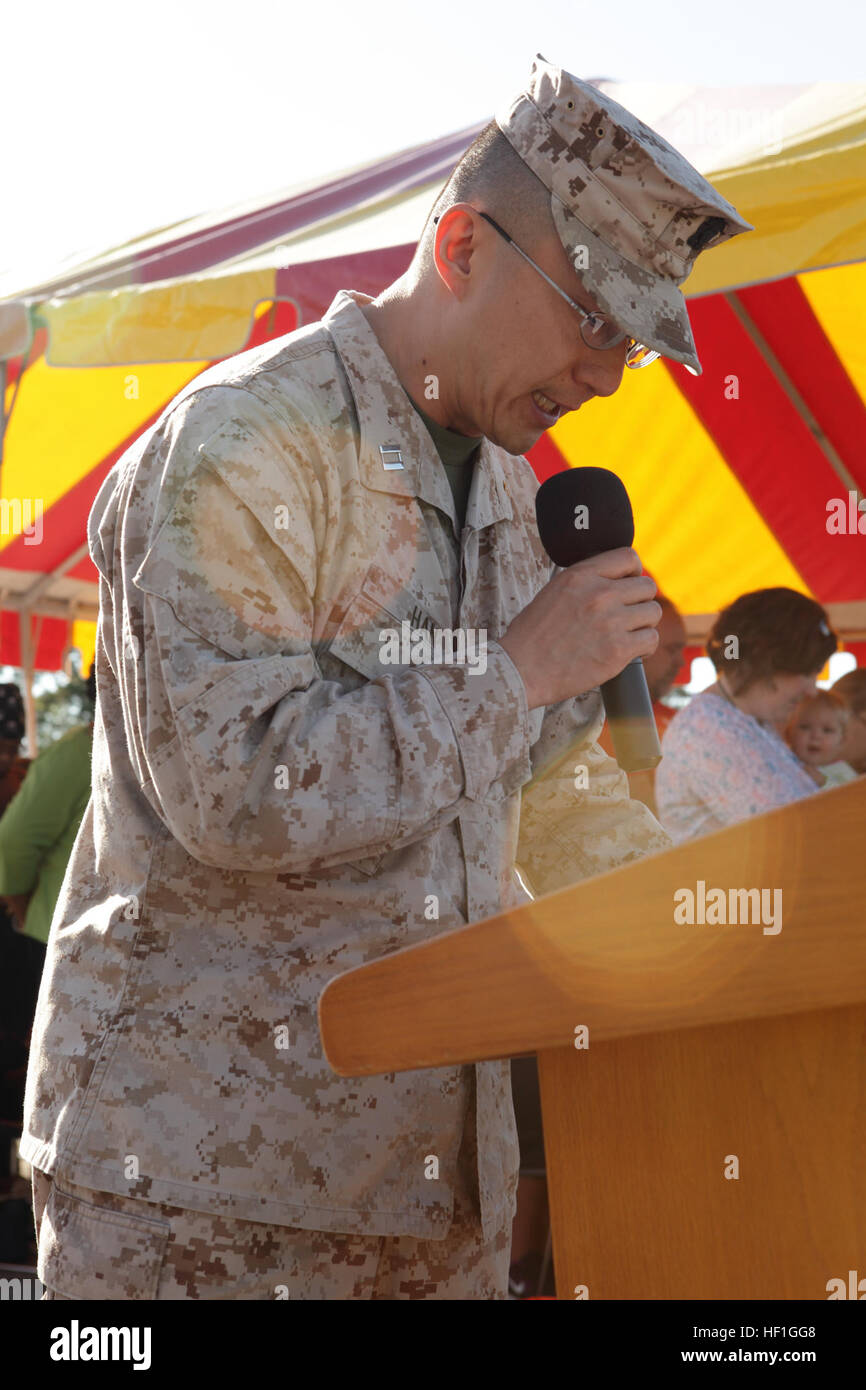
[(87, 1251)]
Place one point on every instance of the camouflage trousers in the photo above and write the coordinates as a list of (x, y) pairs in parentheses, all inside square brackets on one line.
[(98, 1245)]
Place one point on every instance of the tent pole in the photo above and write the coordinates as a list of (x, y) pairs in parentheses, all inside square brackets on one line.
[(828, 449), (26, 639)]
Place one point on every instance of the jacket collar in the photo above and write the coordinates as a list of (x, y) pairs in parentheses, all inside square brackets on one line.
[(392, 432)]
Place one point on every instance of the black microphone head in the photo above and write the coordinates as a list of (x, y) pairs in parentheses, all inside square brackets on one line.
[(581, 512)]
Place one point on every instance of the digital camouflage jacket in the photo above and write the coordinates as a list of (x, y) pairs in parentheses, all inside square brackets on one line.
[(272, 805)]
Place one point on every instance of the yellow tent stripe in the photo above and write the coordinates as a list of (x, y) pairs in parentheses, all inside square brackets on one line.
[(838, 298), (84, 637), (68, 420), (697, 531)]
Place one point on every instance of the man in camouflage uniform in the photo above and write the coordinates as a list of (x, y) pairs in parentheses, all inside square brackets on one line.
[(274, 804)]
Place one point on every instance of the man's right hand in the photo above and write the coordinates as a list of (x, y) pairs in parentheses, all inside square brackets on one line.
[(584, 627)]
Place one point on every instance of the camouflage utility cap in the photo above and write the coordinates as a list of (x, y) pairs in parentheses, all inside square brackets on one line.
[(631, 212)]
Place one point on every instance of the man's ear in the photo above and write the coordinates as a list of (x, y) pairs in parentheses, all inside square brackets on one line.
[(455, 246)]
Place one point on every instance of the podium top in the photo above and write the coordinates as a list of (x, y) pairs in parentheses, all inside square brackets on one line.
[(618, 953)]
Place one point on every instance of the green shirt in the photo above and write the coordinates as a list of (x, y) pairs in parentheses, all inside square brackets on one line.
[(458, 453), (39, 826)]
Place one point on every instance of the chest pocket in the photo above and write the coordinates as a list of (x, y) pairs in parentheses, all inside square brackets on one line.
[(361, 640), (370, 638)]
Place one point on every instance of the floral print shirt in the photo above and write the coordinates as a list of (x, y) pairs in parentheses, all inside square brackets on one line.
[(720, 765)]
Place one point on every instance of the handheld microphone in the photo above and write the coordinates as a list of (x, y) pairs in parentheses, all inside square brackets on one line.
[(582, 512)]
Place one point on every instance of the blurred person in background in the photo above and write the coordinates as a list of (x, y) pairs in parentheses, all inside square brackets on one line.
[(723, 758), (13, 767), (20, 958), (663, 665), (852, 689), (37, 832)]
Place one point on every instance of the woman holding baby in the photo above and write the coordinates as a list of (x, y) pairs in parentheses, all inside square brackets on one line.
[(723, 757)]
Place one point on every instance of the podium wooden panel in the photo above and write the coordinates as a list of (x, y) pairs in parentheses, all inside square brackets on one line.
[(704, 1042), (636, 1144)]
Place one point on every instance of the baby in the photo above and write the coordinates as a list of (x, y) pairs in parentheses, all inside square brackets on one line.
[(815, 732)]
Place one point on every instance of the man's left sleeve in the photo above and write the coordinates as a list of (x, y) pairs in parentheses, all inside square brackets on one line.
[(576, 816)]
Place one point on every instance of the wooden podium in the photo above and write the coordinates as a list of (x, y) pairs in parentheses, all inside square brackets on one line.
[(711, 1048)]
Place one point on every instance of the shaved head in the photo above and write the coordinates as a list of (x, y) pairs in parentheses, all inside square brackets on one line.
[(492, 174), (471, 328)]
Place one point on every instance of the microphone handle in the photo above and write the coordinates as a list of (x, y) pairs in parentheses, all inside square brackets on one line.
[(630, 716)]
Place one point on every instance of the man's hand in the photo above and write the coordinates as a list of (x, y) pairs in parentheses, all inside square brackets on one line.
[(587, 624)]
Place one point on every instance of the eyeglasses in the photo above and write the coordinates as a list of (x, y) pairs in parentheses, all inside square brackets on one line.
[(596, 329)]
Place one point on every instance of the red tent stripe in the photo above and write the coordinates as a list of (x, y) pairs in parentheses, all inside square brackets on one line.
[(49, 637), (67, 517), (546, 459), (795, 334), (770, 449), (312, 286)]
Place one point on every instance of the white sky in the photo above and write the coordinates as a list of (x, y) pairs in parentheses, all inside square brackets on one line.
[(119, 119)]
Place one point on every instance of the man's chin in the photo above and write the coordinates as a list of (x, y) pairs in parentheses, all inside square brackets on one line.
[(517, 441)]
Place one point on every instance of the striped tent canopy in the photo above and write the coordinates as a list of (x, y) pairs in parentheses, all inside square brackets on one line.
[(746, 477)]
